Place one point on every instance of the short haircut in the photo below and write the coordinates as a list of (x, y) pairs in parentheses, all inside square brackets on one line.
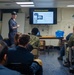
[(3, 50), (34, 31), (24, 39)]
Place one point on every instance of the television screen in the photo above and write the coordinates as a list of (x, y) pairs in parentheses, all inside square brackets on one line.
[(43, 16)]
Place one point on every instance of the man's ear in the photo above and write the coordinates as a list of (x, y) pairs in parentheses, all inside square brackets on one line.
[(5, 56)]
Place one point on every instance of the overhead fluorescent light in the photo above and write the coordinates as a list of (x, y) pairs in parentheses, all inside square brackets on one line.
[(70, 5), (24, 2), (27, 5)]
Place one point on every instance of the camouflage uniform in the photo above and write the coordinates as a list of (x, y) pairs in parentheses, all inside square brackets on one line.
[(35, 42), (71, 41), (70, 44)]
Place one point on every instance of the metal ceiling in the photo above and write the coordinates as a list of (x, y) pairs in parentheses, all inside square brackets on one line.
[(38, 3)]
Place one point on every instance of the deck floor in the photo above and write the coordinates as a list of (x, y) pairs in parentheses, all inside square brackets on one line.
[(51, 65)]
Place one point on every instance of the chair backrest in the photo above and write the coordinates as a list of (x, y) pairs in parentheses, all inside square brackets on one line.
[(7, 41), (20, 68), (35, 52), (42, 44)]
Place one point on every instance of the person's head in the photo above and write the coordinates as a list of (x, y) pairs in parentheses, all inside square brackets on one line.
[(14, 15), (24, 40), (3, 52), (34, 31), (16, 38)]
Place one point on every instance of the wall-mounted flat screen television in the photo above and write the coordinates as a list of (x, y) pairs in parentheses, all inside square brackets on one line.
[(43, 16)]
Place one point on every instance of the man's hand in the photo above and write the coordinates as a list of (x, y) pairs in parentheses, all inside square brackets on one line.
[(18, 26)]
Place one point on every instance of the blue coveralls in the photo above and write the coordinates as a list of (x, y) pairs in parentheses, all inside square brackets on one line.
[(12, 32)]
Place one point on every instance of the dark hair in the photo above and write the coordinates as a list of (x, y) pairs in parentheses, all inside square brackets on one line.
[(24, 39), (14, 13), (3, 50), (34, 31), (17, 36)]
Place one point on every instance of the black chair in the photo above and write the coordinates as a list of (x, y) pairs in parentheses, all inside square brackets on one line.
[(25, 70), (7, 41), (1, 38)]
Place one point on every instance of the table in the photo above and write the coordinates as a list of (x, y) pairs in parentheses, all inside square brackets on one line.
[(50, 37)]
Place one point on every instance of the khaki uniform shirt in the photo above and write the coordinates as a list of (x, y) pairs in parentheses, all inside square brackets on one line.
[(34, 41)]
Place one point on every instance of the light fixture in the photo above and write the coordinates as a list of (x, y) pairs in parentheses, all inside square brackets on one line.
[(24, 2), (27, 5), (70, 5)]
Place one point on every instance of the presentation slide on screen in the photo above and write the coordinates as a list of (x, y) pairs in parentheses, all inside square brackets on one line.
[(42, 17)]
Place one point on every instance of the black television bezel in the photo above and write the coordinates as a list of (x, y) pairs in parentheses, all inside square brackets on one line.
[(49, 9)]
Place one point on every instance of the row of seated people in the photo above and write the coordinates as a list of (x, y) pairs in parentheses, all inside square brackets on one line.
[(67, 50), (34, 42), (62, 49), (20, 57)]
